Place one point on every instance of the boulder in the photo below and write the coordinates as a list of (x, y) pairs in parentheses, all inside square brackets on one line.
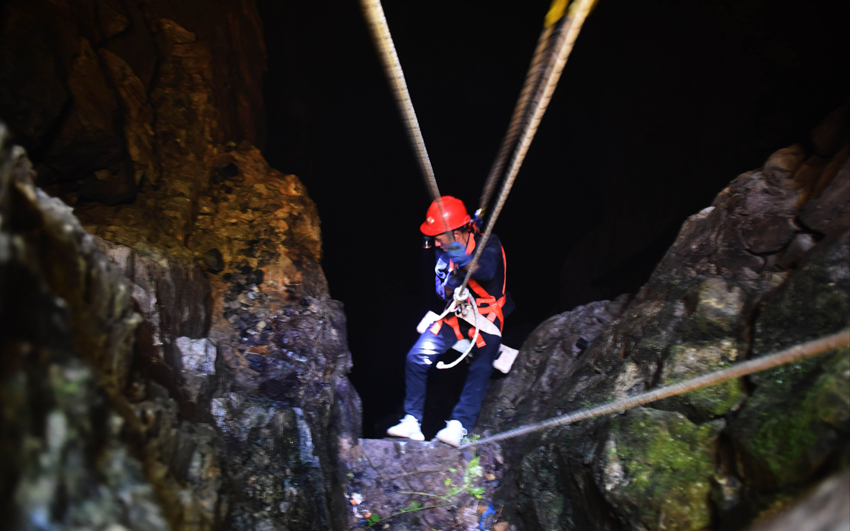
[(746, 276)]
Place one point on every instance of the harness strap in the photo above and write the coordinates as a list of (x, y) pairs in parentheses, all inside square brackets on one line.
[(478, 342), (488, 306), (493, 308), (452, 322)]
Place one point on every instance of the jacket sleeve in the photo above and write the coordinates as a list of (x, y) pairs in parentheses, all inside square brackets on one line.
[(441, 273)]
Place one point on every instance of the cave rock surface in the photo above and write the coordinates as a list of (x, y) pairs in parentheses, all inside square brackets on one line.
[(765, 267), (171, 356)]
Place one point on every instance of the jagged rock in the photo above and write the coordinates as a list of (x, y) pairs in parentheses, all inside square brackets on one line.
[(829, 211), (789, 428), (832, 133), (85, 73), (194, 387), (67, 349), (543, 363), (198, 359), (150, 119), (137, 118), (743, 279), (88, 140), (34, 78)]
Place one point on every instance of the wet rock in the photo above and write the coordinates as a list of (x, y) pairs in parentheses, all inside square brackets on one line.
[(797, 421), (687, 361)]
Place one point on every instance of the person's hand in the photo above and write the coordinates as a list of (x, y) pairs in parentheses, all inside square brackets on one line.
[(454, 281), (456, 252)]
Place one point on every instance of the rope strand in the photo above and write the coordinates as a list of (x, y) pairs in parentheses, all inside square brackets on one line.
[(380, 30), (770, 361), (564, 43), (531, 85)]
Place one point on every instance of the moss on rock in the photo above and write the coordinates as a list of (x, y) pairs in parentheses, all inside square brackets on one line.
[(657, 468), (689, 360), (786, 436)]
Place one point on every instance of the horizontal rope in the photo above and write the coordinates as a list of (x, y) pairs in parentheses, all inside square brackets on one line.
[(770, 361)]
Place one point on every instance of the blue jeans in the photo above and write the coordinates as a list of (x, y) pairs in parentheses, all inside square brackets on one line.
[(424, 355)]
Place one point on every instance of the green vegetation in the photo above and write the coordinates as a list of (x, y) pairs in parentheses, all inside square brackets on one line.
[(665, 458), (784, 440), (471, 475)]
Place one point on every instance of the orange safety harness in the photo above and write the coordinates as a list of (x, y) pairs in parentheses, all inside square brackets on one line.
[(488, 306)]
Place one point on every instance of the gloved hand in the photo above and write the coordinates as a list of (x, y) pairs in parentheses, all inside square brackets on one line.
[(455, 280), (457, 253)]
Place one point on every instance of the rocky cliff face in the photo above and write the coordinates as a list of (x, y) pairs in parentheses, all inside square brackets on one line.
[(763, 268), (172, 358), (183, 365)]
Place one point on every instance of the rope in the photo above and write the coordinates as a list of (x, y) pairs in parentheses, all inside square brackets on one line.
[(460, 300), (531, 85), (739, 370), (378, 27), (564, 42)]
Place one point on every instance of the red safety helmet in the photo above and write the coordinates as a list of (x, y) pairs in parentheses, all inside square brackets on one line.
[(454, 217)]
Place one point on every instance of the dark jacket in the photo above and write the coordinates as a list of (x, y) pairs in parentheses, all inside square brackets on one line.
[(490, 273)]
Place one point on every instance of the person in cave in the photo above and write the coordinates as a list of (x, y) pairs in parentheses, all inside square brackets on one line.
[(455, 238)]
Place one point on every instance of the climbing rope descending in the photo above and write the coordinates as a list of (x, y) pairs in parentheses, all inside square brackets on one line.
[(374, 13), (530, 86), (739, 370), (563, 45)]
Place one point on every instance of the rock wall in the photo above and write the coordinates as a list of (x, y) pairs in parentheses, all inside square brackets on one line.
[(104, 94), (182, 300), (765, 267), (140, 393)]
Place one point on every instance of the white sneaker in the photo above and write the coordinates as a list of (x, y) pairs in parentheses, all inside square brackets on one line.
[(408, 428), (452, 434)]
